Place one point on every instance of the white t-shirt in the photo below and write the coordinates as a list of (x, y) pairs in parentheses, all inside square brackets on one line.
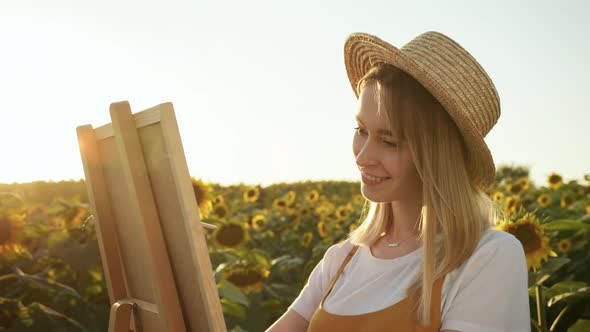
[(487, 293)]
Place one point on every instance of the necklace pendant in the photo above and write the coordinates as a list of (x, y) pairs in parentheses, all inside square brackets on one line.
[(393, 244)]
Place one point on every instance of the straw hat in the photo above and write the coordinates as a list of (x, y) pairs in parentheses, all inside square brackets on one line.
[(450, 74)]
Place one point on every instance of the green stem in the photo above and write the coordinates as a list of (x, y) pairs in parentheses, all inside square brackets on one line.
[(536, 325), (541, 309), (561, 313), (7, 276)]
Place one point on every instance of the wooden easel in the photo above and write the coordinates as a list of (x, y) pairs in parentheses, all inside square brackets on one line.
[(151, 238)]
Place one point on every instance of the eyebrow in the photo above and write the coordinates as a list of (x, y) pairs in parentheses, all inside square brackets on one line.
[(380, 131)]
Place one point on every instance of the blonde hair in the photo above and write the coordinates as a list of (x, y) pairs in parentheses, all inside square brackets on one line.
[(451, 204)]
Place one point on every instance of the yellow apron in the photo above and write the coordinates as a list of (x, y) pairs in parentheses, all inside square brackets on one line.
[(396, 317)]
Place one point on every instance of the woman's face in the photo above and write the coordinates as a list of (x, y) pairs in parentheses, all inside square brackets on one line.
[(381, 154)]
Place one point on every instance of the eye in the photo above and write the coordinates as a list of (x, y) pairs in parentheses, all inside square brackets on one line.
[(390, 143), (362, 132)]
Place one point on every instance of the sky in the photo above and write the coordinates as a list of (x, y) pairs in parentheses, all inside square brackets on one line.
[(259, 88)]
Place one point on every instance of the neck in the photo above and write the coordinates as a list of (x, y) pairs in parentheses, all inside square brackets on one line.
[(405, 220)]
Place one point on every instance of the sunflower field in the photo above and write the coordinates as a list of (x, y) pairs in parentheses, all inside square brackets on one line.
[(266, 244)]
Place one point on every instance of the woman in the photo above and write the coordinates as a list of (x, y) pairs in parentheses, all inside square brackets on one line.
[(425, 257)]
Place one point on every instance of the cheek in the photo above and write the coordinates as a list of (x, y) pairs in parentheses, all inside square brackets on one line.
[(409, 167), (395, 164)]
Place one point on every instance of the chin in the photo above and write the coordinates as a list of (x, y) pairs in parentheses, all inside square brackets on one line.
[(376, 197)]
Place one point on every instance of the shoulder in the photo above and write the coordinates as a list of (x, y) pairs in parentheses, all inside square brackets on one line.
[(496, 251), (495, 241), (338, 251), (489, 291), (336, 254)]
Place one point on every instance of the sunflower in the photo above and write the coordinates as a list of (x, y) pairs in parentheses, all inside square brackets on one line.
[(524, 182), (513, 204), (280, 203), (290, 197), (294, 219), (342, 212), (352, 227), (11, 232), (515, 188), (588, 209), (11, 252), (544, 200), (251, 195), (566, 200), (564, 245), (324, 208), (218, 200), (331, 217), (584, 190), (259, 222), (220, 210), (338, 225), (587, 177), (498, 196), (248, 277), (75, 216), (555, 181), (306, 239), (358, 199), (229, 235), (201, 190), (305, 212), (531, 235), (322, 229), (312, 196)]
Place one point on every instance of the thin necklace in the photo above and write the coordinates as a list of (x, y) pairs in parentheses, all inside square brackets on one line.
[(395, 244)]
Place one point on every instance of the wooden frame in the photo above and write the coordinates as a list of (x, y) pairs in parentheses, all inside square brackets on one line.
[(152, 243)]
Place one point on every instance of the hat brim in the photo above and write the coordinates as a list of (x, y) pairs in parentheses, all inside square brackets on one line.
[(363, 51)]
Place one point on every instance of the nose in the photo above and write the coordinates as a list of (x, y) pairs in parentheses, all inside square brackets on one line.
[(366, 154)]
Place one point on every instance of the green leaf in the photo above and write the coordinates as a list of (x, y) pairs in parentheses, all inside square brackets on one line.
[(270, 304), (286, 262), (571, 297), (279, 260), (280, 291), (219, 270), (49, 317), (260, 256), (80, 256), (233, 309), (270, 291), (11, 200), (564, 287), (566, 225), (231, 292), (24, 315), (46, 283), (582, 325), (550, 267)]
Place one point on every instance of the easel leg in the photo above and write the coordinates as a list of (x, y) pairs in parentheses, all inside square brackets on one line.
[(120, 316)]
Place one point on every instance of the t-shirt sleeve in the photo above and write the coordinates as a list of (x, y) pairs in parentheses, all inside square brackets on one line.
[(492, 293), (311, 295)]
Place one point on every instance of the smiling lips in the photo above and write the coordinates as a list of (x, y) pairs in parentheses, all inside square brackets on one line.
[(369, 179)]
